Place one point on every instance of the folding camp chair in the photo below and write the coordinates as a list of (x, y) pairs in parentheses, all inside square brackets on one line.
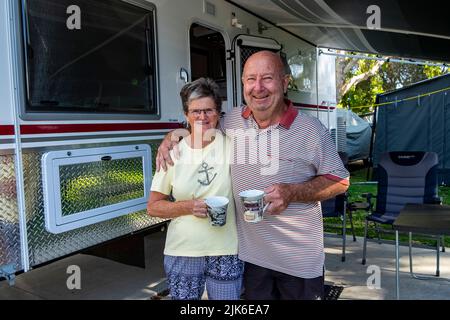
[(337, 208), (403, 177)]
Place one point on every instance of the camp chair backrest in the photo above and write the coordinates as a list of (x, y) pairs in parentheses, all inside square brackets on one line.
[(333, 207), (405, 177)]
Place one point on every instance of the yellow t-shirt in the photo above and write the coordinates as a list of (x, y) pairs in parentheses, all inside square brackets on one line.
[(199, 173)]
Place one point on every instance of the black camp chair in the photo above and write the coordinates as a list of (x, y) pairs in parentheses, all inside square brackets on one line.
[(337, 208), (403, 177)]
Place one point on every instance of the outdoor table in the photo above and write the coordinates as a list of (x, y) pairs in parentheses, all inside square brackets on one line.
[(432, 219)]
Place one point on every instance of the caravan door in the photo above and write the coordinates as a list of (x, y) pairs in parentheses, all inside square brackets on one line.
[(244, 46), (207, 52)]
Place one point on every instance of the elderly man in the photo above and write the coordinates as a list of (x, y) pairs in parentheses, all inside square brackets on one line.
[(283, 253)]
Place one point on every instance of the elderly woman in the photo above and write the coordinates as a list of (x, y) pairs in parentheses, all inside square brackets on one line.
[(197, 253)]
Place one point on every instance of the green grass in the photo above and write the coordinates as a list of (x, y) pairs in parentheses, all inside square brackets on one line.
[(355, 192)]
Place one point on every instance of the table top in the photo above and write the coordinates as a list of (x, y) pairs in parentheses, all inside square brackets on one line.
[(424, 218)]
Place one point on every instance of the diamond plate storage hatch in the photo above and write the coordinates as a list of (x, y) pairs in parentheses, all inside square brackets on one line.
[(87, 186)]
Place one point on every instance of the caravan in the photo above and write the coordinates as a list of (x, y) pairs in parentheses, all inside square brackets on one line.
[(89, 88)]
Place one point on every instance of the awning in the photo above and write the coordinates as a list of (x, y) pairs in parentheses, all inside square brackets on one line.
[(409, 29)]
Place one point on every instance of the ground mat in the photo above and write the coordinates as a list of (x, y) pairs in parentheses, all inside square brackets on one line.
[(332, 292)]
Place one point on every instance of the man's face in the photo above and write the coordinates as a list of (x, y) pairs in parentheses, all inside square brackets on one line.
[(264, 84)]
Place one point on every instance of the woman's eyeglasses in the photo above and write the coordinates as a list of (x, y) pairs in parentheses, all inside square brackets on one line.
[(198, 112)]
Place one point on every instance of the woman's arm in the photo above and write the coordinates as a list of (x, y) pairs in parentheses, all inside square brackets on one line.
[(159, 206)]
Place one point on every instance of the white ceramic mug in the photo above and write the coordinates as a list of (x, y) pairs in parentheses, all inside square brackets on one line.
[(217, 210), (254, 206)]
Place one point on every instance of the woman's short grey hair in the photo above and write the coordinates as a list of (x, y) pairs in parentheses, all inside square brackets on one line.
[(200, 88)]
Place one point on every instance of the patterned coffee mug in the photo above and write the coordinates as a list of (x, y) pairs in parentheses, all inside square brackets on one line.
[(254, 206), (217, 210)]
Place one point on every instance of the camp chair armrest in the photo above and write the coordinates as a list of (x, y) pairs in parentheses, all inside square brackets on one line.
[(362, 205), (368, 197), (359, 205)]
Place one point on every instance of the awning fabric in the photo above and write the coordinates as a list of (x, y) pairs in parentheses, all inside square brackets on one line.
[(409, 29)]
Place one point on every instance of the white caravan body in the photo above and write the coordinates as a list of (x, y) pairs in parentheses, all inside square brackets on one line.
[(76, 147)]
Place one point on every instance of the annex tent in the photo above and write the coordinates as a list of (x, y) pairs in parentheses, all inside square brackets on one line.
[(416, 118)]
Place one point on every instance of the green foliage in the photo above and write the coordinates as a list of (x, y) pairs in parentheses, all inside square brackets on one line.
[(434, 71), (390, 76), (364, 93)]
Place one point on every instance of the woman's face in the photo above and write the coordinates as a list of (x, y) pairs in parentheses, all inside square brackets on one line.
[(202, 115)]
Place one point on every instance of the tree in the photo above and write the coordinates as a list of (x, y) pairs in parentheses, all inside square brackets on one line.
[(358, 81)]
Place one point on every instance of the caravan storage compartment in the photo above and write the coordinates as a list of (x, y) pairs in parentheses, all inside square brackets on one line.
[(86, 186)]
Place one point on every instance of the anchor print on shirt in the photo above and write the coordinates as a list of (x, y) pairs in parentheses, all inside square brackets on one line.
[(206, 168)]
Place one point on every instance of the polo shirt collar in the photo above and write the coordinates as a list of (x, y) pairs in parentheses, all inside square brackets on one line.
[(286, 120)]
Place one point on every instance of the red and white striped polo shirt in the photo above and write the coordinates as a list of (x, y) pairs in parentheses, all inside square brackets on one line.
[(292, 242)]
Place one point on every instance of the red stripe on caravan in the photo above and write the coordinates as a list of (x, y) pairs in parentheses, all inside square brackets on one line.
[(74, 128), (6, 130), (305, 105)]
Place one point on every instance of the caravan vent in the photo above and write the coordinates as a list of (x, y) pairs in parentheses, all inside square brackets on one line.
[(209, 8)]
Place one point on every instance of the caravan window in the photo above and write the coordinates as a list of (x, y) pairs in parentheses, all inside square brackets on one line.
[(208, 56), (90, 56)]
